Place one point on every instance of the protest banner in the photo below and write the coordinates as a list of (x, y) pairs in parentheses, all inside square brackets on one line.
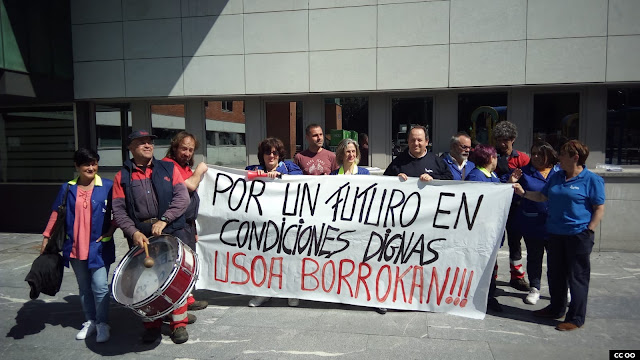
[(374, 241)]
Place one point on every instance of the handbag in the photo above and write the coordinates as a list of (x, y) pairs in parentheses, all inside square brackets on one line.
[(47, 269), (58, 233)]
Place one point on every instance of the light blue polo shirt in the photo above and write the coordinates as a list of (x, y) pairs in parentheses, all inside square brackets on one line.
[(571, 202)]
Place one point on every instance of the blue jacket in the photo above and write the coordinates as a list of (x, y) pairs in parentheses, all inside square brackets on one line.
[(476, 175), (530, 216), (284, 167), (100, 253), (162, 171), (453, 166)]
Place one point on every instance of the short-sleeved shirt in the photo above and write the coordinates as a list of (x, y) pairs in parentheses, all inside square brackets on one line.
[(320, 163), (571, 201)]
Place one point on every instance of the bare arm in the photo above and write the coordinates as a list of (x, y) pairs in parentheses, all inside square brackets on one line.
[(194, 180), (596, 217)]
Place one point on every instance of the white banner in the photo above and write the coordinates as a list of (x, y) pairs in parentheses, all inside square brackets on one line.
[(364, 240)]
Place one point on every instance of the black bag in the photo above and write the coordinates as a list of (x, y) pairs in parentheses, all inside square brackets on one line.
[(58, 232), (47, 269)]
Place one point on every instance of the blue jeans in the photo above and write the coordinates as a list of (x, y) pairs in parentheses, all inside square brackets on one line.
[(94, 290)]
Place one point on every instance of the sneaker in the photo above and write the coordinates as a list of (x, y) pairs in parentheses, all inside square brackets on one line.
[(88, 329), (381, 311), (494, 305), (151, 335), (198, 305), (103, 332), (180, 335), (258, 300), (519, 284), (191, 318), (293, 302), (533, 297)]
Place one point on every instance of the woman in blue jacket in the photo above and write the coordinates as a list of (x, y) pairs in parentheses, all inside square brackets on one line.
[(486, 159), (530, 216), (271, 155), (88, 246)]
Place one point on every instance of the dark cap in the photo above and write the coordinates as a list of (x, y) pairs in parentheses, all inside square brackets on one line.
[(140, 134)]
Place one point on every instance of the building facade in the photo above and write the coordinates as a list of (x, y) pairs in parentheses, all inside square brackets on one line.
[(235, 71)]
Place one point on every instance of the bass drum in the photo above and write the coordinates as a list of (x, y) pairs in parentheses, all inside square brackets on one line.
[(154, 292)]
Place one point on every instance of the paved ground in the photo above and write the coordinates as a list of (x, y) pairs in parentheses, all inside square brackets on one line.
[(228, 329)]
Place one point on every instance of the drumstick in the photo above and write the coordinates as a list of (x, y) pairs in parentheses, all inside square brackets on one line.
[(148, 261)]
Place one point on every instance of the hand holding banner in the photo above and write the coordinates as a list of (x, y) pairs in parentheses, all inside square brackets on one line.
[(364, 240)]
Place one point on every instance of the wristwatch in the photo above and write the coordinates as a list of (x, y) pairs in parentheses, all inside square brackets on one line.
[(164, 218)]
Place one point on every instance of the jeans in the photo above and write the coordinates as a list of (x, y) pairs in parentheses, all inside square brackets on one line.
[(94, 290)]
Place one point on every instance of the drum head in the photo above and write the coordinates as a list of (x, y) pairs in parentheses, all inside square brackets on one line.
[(133, 283)]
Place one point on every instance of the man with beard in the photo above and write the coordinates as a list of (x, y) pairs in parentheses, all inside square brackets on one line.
[(458, 155), (180, 153), (417, 162), (315, 160)]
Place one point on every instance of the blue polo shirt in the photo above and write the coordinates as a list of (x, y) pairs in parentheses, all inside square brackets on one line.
[(571, 202)]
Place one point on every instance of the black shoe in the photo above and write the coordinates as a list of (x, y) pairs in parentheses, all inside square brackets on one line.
[(547, 313), (198, 305), (151, 335), (191, 318), (520, 284), (180, 335), (494, 305), (381, 311)]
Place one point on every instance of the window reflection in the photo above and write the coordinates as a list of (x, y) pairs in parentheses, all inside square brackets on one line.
[(166, 122), (225, 126), (37, 145), (623, 127), (479, 113), (405, 114), (109, 120), (348, 118), (556, 118)]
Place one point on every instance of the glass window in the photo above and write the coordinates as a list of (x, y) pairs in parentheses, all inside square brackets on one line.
[(623, 126), (478, 114), (284, 121), (227, 105), (109, 121), (405, 114), (225, 125), (556, 118), (37, 145), (166, 122), (350, 114)]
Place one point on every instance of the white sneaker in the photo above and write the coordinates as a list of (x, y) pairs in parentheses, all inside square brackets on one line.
[(88, 329), (103, 332), (258, 300), (293, 302), (533, 296)]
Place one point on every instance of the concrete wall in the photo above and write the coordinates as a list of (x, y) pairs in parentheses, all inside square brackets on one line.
[(160, 48)]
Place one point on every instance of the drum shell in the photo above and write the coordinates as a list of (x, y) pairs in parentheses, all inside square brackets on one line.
[(172, 292)]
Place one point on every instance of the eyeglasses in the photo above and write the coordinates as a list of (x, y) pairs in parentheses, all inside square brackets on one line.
[(464, 147), (143, 142), (274, 153)]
